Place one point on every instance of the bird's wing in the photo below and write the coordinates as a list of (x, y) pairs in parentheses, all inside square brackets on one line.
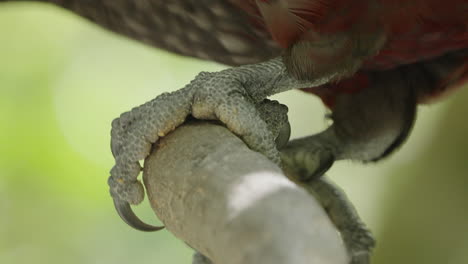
[(214, 30)]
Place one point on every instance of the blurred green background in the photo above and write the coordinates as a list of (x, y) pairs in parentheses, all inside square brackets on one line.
[(63, 80)]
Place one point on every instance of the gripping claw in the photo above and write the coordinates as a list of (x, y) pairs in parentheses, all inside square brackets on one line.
[(128, 216)]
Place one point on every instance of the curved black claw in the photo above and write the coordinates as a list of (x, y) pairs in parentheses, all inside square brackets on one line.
[(128, 216)]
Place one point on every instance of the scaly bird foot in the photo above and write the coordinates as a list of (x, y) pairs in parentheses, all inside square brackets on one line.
[(210, 96), (356, 236), (312, 156)]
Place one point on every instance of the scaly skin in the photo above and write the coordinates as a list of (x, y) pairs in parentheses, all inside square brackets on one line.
[(237, 105), (357, 238)]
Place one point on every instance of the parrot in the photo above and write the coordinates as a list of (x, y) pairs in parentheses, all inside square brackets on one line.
[(371, 62)]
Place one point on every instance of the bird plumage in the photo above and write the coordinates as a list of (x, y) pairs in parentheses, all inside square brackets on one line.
[(315, 37), (359, 36)]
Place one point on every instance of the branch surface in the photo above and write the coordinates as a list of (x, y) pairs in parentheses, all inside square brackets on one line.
[(232, 204)]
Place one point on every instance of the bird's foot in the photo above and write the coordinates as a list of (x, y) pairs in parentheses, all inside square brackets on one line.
[(210, 96), (310, 157), (360, 245), (356, 236)]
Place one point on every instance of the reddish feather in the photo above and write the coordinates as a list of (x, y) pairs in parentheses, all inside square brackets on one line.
[(421, 29), (288, 20), (415, 30)]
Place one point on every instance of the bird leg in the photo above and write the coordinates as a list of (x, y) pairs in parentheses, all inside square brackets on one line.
[(367, 126)]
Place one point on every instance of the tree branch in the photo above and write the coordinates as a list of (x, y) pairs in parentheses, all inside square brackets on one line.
[(232, 204)]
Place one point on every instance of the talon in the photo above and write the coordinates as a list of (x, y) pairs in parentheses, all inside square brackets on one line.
[(128, 216)]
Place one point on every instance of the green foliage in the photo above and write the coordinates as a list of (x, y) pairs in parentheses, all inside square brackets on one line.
[(54, 154)]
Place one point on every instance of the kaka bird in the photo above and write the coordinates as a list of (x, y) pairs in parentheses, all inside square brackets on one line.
[(370, 61)]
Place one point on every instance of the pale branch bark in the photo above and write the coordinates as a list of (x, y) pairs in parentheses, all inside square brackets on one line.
[(233, 205)]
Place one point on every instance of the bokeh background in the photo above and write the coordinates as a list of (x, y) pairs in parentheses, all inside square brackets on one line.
[(63, 80)]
